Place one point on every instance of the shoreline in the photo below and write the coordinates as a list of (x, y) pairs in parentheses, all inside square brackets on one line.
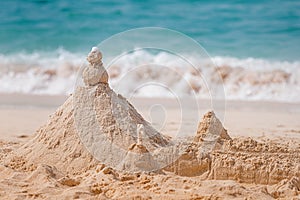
[(24, 114), (37, 101)]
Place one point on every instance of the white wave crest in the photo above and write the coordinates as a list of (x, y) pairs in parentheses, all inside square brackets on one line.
[(160, 75)]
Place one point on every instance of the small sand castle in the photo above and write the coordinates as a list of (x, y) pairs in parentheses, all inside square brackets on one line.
[(97, 130)]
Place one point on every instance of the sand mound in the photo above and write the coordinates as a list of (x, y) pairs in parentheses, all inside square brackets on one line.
[(110, 127), (107, 125), (195, 159)]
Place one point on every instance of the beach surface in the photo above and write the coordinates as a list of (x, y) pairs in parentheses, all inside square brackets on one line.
[(22, 115), (265, 123)]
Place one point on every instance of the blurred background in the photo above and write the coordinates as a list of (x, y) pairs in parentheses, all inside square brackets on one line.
[(255, 44)]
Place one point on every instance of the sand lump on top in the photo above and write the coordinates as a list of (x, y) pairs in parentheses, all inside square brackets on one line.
[(96, 145)]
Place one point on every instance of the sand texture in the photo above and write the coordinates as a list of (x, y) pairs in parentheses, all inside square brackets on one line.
[(55, 164)]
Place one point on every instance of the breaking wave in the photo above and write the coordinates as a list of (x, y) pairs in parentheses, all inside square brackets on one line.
[(141, 72)]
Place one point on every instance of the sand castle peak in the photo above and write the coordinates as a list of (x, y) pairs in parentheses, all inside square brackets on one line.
[(95, 57), (94, 73)]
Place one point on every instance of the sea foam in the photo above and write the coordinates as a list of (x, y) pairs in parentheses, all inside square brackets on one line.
[(161, 75)]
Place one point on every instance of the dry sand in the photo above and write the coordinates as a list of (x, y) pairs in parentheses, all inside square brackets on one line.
[(52, 163)]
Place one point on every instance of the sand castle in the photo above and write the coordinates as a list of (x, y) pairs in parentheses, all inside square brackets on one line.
[(109, 126), (97, 132)]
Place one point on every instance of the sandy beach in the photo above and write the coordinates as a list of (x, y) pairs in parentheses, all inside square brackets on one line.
[(249, 119), (265, 122)]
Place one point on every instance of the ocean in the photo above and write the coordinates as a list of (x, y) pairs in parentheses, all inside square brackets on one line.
[(256, 43)]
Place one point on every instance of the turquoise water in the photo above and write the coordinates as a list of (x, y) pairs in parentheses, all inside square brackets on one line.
[(259, 29)]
